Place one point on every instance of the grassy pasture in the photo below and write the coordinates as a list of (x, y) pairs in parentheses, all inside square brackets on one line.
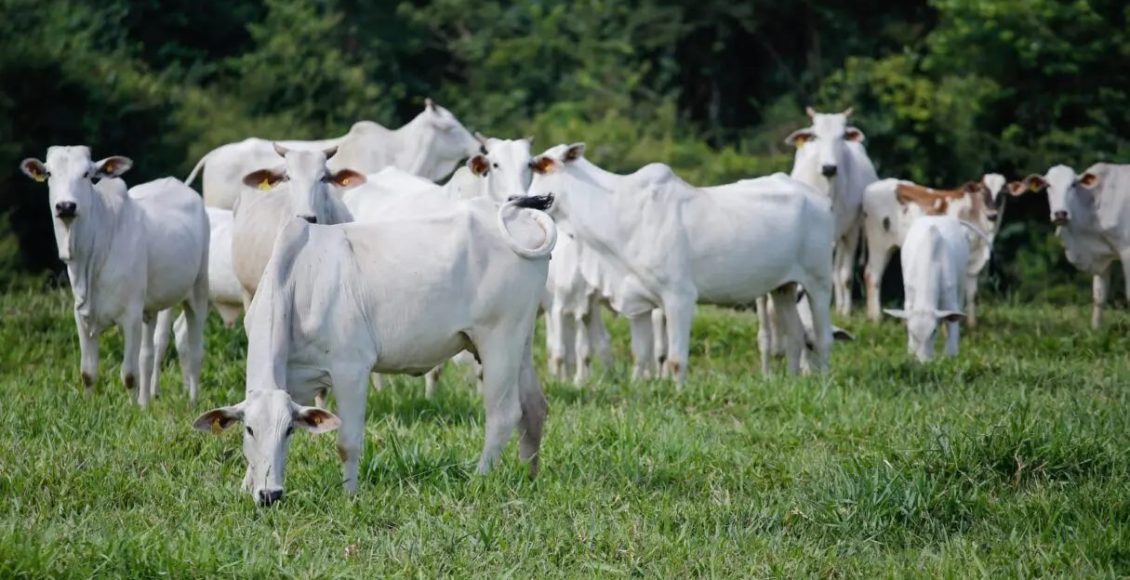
[(1010, 461)]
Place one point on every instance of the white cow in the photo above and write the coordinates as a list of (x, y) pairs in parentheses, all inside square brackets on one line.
[(886, 224), (129, 255), (297, 185), (830, 156), (399, 296), (223, 286), (574, 328), (935, 257), (1092, 217), (678, 245), (430, 146)]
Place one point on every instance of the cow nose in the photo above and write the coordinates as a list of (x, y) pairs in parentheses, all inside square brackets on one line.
[(828, 170), (310, 218), (66, 209), (1059, 217), (268, 497)]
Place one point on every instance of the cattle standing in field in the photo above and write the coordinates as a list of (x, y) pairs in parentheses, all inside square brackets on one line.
[(830, 157), (430, 146), (935, 257), (886, 223), (399, 296), (129, 255), (676, 245), (296, 184), (1091, 213)]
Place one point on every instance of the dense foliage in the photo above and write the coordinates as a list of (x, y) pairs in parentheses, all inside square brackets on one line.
[(943, 89)]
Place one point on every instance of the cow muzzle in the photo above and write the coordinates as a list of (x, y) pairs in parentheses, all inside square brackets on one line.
[(66, 210), (1060, 218), (828, 170), (269, 497), (313, 219)]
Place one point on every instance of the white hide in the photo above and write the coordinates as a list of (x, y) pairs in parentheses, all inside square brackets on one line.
[(430, 146), (129, 255), (1092, 215), (396, 296), (886, 222), (677, 245), (831, 158), (935, 257)]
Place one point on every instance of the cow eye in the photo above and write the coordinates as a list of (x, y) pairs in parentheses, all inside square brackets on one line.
[(249, 431), (495, 165), (290, 431)]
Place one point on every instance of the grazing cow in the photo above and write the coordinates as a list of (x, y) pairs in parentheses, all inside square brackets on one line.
[(129, 255), (300, 187), (886, 223), (677, 245), (830, 156), (399, 296), (1092, 217), (935, 258), (430, 146)]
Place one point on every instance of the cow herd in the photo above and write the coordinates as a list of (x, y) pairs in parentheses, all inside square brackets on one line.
[(349, 261)]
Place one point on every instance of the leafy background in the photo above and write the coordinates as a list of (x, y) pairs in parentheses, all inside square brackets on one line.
[(944, 89)]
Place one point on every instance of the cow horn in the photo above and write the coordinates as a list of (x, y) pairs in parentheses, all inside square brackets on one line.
[(430, 104), (330, 152), (282, 151), (482, 139), (810, 112), (848, 111)]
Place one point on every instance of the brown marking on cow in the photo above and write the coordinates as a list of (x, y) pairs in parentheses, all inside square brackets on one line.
[(932, 201), (676, 366)]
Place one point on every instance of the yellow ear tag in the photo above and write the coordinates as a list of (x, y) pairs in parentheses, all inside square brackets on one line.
[(216, 425), (317, 420), (265, 185), (800, 141), (40, 177), (345, 182), (1034, 186)]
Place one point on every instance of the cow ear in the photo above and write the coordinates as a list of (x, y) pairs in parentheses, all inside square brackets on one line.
[(543, 165), (347, 178), (574, 152), (263, 179), (895, 312), (949, 315), (798, 138), (217, 420), (1089, 180), (479, 165), (973, 188), (1016, 188), (853, 134), (1035, 183), (316, 420), (112, 167), (34, 169)]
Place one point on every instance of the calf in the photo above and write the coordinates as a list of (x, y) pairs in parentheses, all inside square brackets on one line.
[(1091, 213), (399, 296), (129, 255), (935, 257)]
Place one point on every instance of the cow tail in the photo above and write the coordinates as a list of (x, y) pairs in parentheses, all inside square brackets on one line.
[(199, 166), (539, 204)]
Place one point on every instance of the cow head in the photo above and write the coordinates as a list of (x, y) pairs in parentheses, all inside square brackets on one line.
[(1068, 193), (922, 329), (505, 166), (555, 175), (308, 181), (70, 175), (445, 139), (269, 419), (823, 144)]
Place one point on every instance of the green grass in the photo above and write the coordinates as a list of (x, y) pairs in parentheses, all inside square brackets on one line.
[(1010, 461)]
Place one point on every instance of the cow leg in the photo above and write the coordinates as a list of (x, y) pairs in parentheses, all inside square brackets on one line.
[(679, 311), (877, 259), (165, 327), (145, 360), (88, 353), (971, 300), (431, 381), (659, 332), (1099, 286), (953, 336), (378, 381), (784, 311), (764, 334), (582, 350), (819, 304), (599, 337), (502, 361), (190, 343), (844, 265), (534, 410), (349, 390), (558, 342), (643, 344)]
